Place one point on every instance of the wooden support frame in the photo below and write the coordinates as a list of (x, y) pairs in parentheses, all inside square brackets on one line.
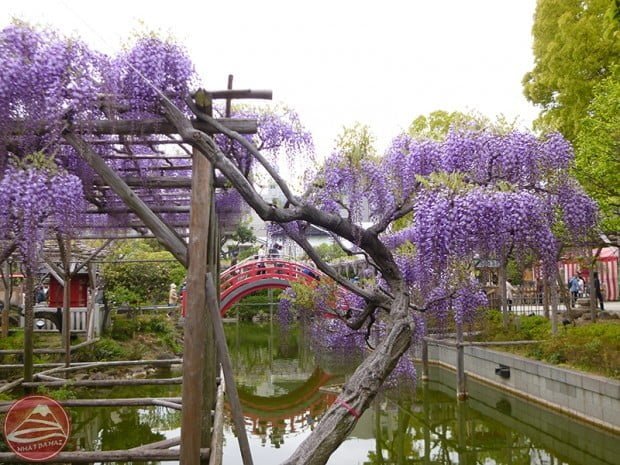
[(162, 231)]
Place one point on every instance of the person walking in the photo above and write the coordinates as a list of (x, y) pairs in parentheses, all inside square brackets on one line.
[(597, 291), (575, 286), (510, 290), (173, 297)]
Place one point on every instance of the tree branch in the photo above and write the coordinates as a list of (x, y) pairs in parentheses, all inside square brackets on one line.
[(249, 147)]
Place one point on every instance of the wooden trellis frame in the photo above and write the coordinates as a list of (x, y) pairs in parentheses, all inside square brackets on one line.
[(130, 190)]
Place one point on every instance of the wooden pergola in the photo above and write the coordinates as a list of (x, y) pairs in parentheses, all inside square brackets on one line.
[(169, 196)]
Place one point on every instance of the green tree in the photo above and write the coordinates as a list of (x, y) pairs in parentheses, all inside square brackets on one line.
[(598, 150), (140, 272), (575, 45), (330, 252), (437, 124), (244, 234)]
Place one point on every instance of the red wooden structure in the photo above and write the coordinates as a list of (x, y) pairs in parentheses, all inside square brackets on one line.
[(79, 291), (254, 275)]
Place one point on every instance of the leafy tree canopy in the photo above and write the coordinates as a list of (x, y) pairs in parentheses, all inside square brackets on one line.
[(598, 150), (139, 272), (575, 45)]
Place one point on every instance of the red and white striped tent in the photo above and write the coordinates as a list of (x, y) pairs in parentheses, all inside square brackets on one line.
[(607, 266)]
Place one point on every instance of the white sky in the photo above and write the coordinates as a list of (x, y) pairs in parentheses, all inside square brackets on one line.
[(381, 63)]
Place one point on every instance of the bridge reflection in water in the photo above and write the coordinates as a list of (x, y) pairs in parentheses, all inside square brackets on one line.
[(424, 425), (283, 395)]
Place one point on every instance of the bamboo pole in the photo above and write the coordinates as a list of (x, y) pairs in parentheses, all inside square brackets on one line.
[(231, 387)]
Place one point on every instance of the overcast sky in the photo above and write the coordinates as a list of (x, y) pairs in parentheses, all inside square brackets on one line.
[(381, 63)]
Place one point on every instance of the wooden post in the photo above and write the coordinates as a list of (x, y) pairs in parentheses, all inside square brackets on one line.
[(28, 326), (502, 289), (228, 100), (546, 299), (553, 291), (192, 420), (210, 366), (425, 360), (66, 300), (461, 387), (231, 387), (8, 291)]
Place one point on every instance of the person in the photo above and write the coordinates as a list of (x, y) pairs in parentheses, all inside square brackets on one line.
[(575, 286), (597, 290), (510, 290), (173, 297)]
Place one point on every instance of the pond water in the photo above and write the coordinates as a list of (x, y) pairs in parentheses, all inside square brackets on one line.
[(284, 389)]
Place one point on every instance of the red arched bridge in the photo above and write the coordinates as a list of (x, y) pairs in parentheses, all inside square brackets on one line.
[(257, 274)]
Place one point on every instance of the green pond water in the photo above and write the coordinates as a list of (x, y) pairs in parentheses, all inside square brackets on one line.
[(284, 389)]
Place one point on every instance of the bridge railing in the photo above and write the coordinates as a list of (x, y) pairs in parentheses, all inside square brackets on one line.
[(254, 270)]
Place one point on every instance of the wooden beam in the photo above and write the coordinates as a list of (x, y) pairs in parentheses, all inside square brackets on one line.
[(159, 182), (241, 94), (135, 455), (154, 208), (130, 127), (227, 368), (165, 235)]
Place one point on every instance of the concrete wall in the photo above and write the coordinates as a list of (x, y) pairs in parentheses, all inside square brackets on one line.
[(588, 397), (569, 441)]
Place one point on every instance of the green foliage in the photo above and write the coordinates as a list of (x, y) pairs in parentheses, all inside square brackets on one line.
[(575, 44), (61, 393), (357, 143), (523, 328), (254, 304), (145, 275), (597, 159), (37, 160), (436, 125), (15, 340), (106, 349), (330, 252), (125, 328), (244, 234), (593, 347)]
